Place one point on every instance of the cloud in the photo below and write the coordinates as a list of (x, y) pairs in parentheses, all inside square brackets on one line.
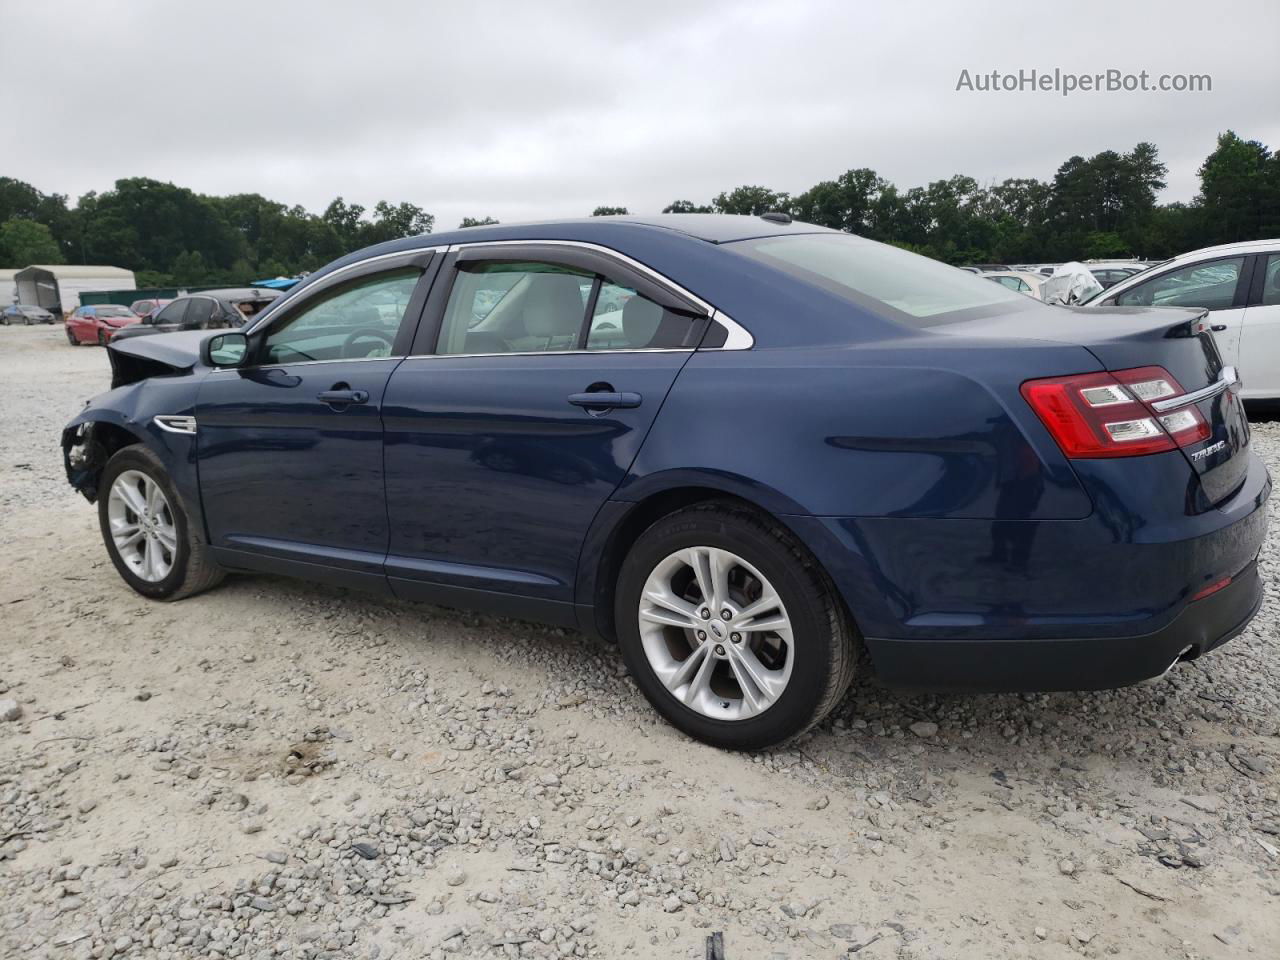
[(524, 111)]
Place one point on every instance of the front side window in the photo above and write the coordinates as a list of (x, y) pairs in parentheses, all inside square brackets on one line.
[(355, 321), (1210, 285), (173, 313), (906, 287)]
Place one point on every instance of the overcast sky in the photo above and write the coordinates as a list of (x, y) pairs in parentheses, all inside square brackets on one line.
[(532, 110)]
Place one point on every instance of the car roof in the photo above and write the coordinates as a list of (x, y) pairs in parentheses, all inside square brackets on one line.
[(1244, 246), (1022, 274), (711, 227)]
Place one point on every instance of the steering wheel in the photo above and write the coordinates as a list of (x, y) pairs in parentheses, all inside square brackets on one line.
[(373, 332)]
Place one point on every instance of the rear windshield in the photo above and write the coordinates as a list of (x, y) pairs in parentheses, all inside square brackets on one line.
[(904, 286)]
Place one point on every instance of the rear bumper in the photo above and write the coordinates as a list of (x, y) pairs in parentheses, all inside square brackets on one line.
[(1093, 603), (1092, 663)]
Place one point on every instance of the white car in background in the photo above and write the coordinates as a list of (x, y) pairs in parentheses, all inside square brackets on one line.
[(1019, 280), (1239, 284)]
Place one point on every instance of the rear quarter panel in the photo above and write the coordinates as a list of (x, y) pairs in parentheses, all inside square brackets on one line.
[(879, 430)]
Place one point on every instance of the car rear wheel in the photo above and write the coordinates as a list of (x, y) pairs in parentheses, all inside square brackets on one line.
[(145, 528), (71, 338), (730, 629)]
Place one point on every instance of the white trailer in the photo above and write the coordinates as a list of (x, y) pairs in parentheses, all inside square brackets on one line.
[(57, 288)]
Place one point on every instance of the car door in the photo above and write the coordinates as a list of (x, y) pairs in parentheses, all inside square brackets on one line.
[(537, 373), (170, 318), (290, 444), (1220, 285), (1260, 337)]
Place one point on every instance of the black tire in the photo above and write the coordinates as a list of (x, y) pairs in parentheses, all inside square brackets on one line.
[(102, 338), (71, 337), (194, 569), (823, 637)]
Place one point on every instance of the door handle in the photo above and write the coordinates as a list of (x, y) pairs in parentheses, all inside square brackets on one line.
[(1219, 328), (603, 400), (337, 396)]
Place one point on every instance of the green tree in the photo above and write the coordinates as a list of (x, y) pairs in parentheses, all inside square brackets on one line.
[(609, 212), (846, 203), (1240, 183), (189, 268), (751, 201), (476, 222), (24, 242), (686, 206)]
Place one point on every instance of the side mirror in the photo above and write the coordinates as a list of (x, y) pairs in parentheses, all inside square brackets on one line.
[(225, 350)]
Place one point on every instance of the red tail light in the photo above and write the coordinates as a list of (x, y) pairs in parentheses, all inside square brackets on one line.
[(1109, 414)]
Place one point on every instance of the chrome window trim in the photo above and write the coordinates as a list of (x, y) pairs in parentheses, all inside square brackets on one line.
[(1229, 379), (306, 363), (737, 335), (175, 423), (276, 305), (549, 353)]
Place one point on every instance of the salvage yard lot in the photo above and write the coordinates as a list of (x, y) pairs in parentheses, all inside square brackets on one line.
[(277, 768)]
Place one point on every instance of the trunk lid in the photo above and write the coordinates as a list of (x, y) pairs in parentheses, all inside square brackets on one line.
[(1179, 340)]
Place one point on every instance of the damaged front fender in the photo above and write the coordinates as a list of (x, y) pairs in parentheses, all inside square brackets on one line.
[(87, 445), (159, 412)]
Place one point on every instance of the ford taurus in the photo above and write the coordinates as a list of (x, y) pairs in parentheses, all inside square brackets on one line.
[(754, 452)]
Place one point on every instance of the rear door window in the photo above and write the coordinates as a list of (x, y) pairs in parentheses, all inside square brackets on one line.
[(515, 307), (626, 320), (199, 311), (1271, 281)]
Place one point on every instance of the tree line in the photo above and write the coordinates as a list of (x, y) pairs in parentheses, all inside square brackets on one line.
[(1099, 206)]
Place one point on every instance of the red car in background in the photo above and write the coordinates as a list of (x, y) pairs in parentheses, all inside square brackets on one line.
[(146, 308), (98, 323)]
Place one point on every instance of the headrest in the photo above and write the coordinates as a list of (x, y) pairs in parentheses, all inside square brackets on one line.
[(640, 321), (553, 305)]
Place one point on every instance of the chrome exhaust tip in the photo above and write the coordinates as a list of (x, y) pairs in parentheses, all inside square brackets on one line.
[(1165, 672)]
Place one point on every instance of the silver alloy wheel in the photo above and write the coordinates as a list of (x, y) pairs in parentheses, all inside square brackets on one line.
[(716, 633), (142, 525)]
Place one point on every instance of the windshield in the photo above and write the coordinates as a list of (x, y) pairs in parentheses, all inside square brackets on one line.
[(907, 287), (109, 310)]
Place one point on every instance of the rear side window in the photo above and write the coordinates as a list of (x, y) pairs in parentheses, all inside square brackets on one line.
[(904, 286), (1271, 281), (520, 307), (531, 307), (198, 314), (1210, 285)]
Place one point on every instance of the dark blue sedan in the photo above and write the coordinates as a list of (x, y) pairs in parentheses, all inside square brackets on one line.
[(747, 449)]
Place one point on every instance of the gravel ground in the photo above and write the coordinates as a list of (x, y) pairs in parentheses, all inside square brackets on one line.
[(280, 769)]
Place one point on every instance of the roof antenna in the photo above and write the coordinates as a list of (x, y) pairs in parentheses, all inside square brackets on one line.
[(776, 216)]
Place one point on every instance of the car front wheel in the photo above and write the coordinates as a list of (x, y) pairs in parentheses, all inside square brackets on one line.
[(145, 527), (730, 628)]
